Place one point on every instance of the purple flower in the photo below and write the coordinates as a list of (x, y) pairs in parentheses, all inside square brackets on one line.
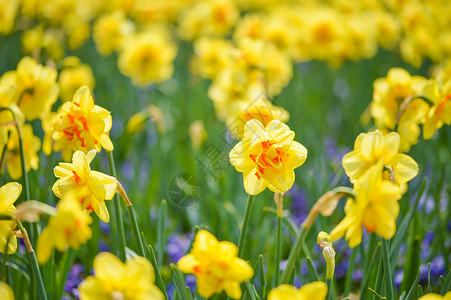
[(177, 246), (74, 279), (299, 204)]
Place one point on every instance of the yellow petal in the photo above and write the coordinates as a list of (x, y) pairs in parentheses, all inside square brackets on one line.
[(241, 270), (6, 293), (405, 168), (140, 272), (84, 99), (251, 128), (315, 290), (109, 268), (392, 141), (280, 132), (44, 246), (93, 289), (9, 194), (106, 143), (252, 184), (279, 181), (187, 263), (108, 182), (296, 156), (284, 292), (232, 289), (372, 145)]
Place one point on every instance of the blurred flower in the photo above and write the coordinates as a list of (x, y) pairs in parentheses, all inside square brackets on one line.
[(73, 76), (447, 296), (177, 246), (31, 145), (74, 279), (113, 279), (197, 134), (91, 188), (8, 10), (68, 228), (36, 88), (375, 207), (8, 195), (81, 125), (110, 30), (147, 57), (299, 204), (440, 112), (216, 266), (6, 292), (207, 18), (267, 157), (315, 290), (371, 147), (137, 121), (43, 43)]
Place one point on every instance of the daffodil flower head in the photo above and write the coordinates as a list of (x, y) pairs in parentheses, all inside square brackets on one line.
[(6, 291), (81, 125), (315, 290), (91, 188), (113, 279), (216, 266), (74, 75), (447, 296), (370, 148), (375, 207), (8, 195), (267, 157), (440, 112), (68, 228)]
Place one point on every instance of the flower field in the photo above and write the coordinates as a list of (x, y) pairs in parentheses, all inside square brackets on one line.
[(225, 149)]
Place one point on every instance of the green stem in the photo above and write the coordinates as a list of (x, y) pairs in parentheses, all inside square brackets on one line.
[(278, 248), (329, 289), (118, 212), (33, 262), (387, 271), (136, 232), (247, 215), (294, 253), (67, 259), (348, 281)]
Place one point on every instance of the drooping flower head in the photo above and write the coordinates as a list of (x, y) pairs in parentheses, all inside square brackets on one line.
[(267, 157), (81, 125), (371, 147), (375, 207), (91, 188), (68, 228), (216, 266), (315, 290), (8, 195), (113, 279)]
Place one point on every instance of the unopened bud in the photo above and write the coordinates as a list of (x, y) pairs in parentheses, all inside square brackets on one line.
[(325, 242)]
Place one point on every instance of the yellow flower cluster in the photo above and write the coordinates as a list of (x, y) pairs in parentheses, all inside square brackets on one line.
[(402, 102), (8, 195), (216, 266), (379, 173)]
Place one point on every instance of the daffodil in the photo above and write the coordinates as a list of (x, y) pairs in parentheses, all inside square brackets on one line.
[(8, 11), (315, 290), (440, 112), (447, 296), (73, 76), (110, 30), (113, 279), (8, 195), (375, 207), (147, 57), (267, 157), (371, 147), (216, 266), (68, 228), (81, 125), (36, 88), (91, 188), (6, 292)]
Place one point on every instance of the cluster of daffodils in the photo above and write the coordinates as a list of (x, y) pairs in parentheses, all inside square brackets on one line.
[(379, 173), (402, 102)]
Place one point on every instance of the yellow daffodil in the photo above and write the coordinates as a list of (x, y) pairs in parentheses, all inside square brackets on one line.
[(113, 279), (267, 157), (315, 290), (91, 188), (375, 207), (81, 125), (110, 30), (216, 266), (261, 110), (36, 88), (68, 228), (440, 113), (371, 147), (147, 57), (73, 76), (447, 296), (197, 134), (6, 292), (8, 195), (8, 11)]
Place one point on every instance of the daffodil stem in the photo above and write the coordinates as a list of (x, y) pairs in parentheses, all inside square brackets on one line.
[(278, 248), (33, 262), (387, 270), (329, 288), (68, 259), (294, 253), (136, 231), (247, 215), (118, 212)]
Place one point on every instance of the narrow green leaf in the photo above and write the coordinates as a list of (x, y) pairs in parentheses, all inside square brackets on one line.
[(179, 282), (412, 289), (419, 291), (388, 275), (429, 289), (447, 284), (311, 271), (350, 271), (161, 238), (158, 277)]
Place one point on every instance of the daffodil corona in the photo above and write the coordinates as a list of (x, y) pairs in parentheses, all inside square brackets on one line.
[(216, 266), (91, 188), (267, 157)]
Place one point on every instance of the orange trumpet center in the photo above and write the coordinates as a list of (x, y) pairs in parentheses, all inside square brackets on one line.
[(269, 157)]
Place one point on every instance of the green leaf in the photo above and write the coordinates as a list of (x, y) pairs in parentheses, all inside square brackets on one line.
[(412, 289), (161, 238), (311, 271), (179, 283), (447, 284), (158, 277)]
